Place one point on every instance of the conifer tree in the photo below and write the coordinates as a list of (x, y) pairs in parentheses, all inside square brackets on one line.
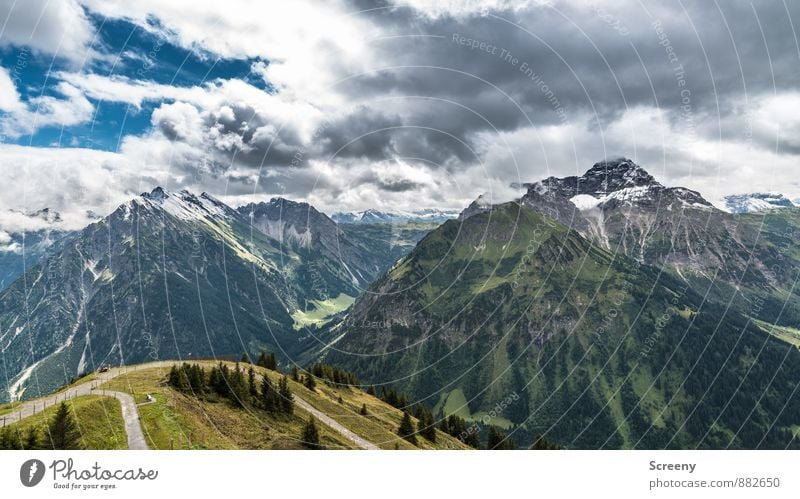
[(63, 429), (497, 440), (371, 390), (472, 440), (31, 439), (494, 439), (270, 400), (402, 401), (444, 426), (239, 391), (541, 444), (251, 382), (426, 424), (197, 379), (286, 397), (406, 429), (309, 382), (310, 437), (173, 378), (13, 440)]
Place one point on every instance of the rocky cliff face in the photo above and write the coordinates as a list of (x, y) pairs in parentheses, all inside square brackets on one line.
[(621, 207)]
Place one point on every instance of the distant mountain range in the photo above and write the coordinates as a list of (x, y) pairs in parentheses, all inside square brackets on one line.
[(375, 216), (757, 202), (601, 311)]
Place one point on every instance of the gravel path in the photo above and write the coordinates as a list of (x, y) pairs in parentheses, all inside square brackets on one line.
[(130, 413)]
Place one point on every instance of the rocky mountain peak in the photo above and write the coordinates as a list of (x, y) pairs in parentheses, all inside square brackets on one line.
[(278, 208), (156, 194), (616, 182), (482, 203), (48, 215), (613, 175)]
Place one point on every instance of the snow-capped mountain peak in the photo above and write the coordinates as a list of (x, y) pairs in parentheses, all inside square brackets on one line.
[(373, 216), (616, 182), (757, 202), (183, 204)]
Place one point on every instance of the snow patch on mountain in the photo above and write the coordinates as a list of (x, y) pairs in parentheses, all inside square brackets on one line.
[(585, 202)]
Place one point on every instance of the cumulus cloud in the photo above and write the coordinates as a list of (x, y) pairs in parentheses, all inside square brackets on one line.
[(19, 117), (58, 28), (72, 182), (412, 103)]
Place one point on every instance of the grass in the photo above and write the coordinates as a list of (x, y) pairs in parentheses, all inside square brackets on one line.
[(322, 312), (788, 334), (455, 403), (176, 420), (6, 408), (99, 421), (382, 420), (179, 421)]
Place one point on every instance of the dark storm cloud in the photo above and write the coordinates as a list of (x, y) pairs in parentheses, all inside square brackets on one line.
[(390, 185), (365, 133), (549, 65), (440, 87)]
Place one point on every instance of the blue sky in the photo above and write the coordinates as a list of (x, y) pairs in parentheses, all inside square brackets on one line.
[(129, 51)]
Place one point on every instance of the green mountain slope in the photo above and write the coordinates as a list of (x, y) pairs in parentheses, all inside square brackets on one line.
[(513, 315)]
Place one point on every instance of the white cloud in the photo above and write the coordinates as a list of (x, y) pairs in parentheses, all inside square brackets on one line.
[(13, 221), (714, 167), (309, 44), (221, 121), (9, 97), (69, 181), (117, 88), (59, 28), (21, 118), (436, 8)]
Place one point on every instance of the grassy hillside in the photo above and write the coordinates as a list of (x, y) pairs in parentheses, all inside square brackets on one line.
[(180, 421), (593, 349), (99, 421)]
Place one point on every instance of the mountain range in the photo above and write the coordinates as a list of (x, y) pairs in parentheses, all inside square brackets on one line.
[(620, 312), (600, 311), (175, 275), (371, 216), (757, 202)]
